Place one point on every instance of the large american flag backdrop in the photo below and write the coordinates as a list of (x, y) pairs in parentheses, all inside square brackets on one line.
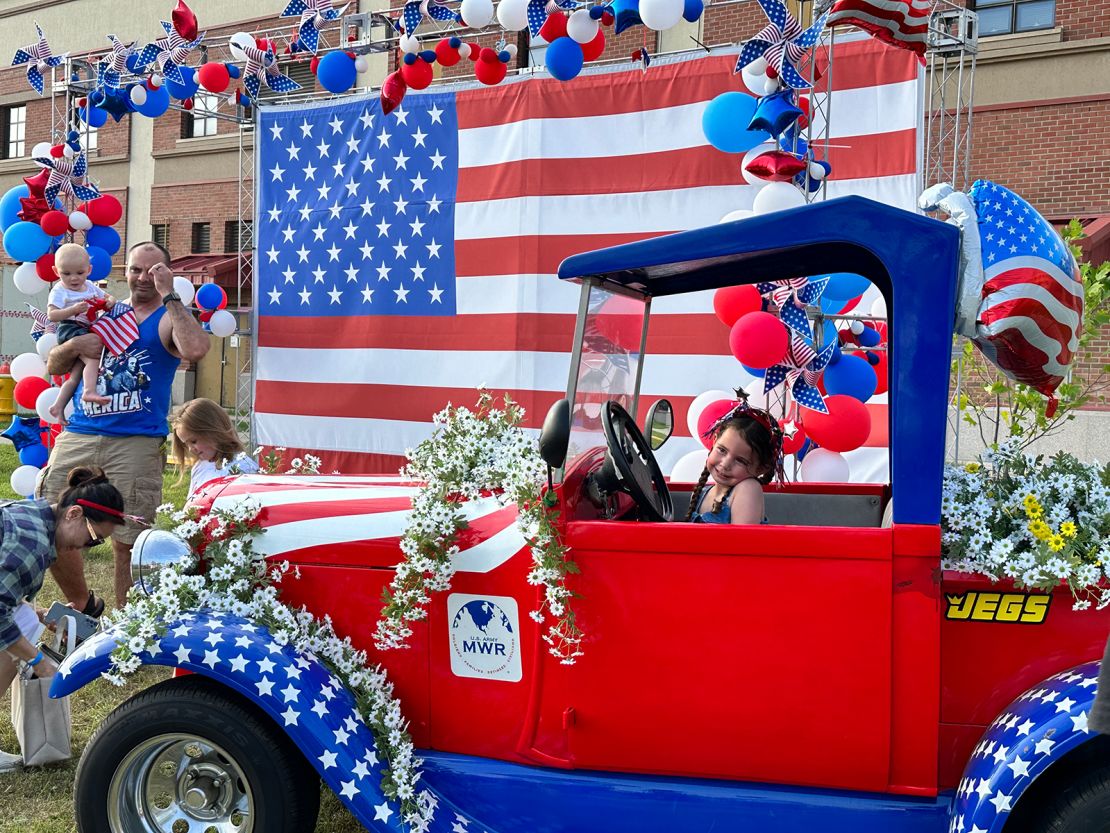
[(403, 260)]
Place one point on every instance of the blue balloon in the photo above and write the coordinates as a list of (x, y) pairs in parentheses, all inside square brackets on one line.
[(336, 72), (757, 372), (157, 102), (209, 296), (26, 242), (10, 206), (725, 120), (776, 112), (101, 263), (187, 88), (845, 285), (852, 375), (34, 455), (93, 116), (103, 237), (692, 9), (807, 446), (831, 306), (132, 61), (233, 71), (564, 58), (869, 337)]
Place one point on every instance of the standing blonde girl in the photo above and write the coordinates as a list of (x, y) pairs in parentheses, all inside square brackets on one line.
[(203, 433)]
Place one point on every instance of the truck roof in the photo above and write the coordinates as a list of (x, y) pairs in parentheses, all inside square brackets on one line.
[(912, 259)]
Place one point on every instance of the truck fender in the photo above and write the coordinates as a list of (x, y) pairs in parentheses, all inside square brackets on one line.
[(298, 692), (1034, 732)]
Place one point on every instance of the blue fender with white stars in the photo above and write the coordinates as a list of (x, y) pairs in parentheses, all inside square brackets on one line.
[(294, 688), (1035, 731)]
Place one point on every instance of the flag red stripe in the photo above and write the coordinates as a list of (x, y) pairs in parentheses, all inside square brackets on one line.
[(535, 254), (310, 510), (910, 21), (1048, 324), (1036, 278), (349, 462)]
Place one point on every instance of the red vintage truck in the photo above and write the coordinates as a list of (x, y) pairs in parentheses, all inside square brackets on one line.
[(818, 672)]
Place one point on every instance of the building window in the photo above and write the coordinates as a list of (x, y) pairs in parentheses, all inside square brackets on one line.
[(13, 126), (202, 238), (1001, 17), (160, 234), (200, 121), (232, 238)]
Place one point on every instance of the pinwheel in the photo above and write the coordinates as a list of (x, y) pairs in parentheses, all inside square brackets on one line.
[(263, 65), (40, 323), (800, 368), (113, 65), (792, 296), (538, 10), (416, 10), (67, 176), (171, 52), (314, 14), (38, 58), (782, 43)]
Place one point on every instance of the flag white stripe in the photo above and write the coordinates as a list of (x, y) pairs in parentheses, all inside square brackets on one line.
[(288, 497)]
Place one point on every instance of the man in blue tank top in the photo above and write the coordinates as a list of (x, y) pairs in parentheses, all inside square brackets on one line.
[(125, 436)]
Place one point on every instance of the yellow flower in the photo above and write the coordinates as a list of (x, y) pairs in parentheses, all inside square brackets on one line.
[(1056, 542), (971, 468), (1067, 529), (1041, 531)]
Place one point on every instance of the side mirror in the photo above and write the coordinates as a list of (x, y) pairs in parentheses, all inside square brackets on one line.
[(555, 434), (660, 423)]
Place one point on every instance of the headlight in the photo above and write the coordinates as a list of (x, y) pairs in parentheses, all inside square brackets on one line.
[(154, 550)]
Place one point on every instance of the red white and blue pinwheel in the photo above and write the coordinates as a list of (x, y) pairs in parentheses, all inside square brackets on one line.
[(111, 67), (538, 10), (170, 53), (39, 58), (416, 10), (67, 176), (263, 65), (782, 43), (792, 296), (313, 14), (800, 368)]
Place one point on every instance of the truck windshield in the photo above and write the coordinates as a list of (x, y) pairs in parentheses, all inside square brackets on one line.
[(609, 363)]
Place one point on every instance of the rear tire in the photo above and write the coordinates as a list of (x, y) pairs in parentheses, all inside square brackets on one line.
[(188, 755)]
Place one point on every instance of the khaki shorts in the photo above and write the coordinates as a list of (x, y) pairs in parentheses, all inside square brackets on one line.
[(132, 464)]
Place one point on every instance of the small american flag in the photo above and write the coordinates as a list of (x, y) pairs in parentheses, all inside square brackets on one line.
[(901, 23), (117, 328)]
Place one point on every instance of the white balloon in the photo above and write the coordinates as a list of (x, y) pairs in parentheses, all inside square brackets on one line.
[(80, 221), (770, 85), (856, 327), (878, 307), (238, 42), (476, 13), (689, 467), (23, 480), (738, 214), (581, 27), (777, 196), (753, 80), (464, 50), (27, 364), (138, 95), (756, 397), (41, 150), (68, 152), (823, 466), (511, 49), (222, 323), (27, 280), (360, 65), (43, 404), (409, 44), (46, 343), (661, 15), (759, 65), (751, 178), (184, 287), (816, 171), (512, 14), (700, 403)]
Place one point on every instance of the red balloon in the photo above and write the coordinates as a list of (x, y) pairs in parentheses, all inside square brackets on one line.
[(731, 303), (554, 27), (314, 64), (213, 76), (758, 340), (446, 54), (105, 210), (184, 21), (58, 151), (792, 445), (54, 223), (490, 73), (418, 74), (27, 390), (206, 315), (475, 51), (592, 51), (488, 55), (393, 91), (44, 267), (803, 105), (607, 18), (712, 412), (849, 305), (845, 427)]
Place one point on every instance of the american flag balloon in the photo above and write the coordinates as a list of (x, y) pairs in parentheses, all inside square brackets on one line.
[(113, 65), (783, 43), (313, 14), (169, 53), (800, 369), (67, 176), (39, 57), (792, 296), (1032, 299), (263, 65)]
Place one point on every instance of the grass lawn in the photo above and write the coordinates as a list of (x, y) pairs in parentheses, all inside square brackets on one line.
[(39, 800)]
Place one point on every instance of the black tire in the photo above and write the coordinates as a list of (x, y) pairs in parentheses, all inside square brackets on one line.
[(1082, 805), (247, 766)]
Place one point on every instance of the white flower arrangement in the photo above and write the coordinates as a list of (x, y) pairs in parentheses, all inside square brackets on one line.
[(239, 580), (1037, 522), (474, 454)]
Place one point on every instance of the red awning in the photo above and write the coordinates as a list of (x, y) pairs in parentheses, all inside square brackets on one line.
[(220, 269)]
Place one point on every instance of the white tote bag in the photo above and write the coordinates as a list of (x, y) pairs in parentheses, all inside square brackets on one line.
[(42, 725)]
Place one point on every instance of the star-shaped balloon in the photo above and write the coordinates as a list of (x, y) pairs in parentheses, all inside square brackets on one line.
[(35, 205), (67, 176), (774, 113), (314, 14), (113, 65), (783, 43), (800, 369), (170, 53), (23, 432), (792, 296), (263, 65), (39, 58)]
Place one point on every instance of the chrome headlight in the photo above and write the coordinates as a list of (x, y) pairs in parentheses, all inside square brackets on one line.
[(154, 550)]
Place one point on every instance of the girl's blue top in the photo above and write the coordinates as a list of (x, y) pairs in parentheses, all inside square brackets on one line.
[(721, 516)]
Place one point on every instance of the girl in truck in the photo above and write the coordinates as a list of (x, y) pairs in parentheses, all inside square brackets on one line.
[(746, 454), (202, 432)]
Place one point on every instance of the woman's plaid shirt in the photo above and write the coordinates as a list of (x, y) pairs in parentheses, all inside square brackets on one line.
[(26, 550)]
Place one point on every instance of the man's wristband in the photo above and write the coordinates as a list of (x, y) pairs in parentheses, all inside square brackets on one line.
[(170, 296), (31, 663)]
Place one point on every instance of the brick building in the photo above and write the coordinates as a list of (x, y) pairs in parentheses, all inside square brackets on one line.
[(1041, 124)]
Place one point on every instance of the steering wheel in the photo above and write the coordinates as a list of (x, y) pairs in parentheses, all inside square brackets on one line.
[(636, 466)]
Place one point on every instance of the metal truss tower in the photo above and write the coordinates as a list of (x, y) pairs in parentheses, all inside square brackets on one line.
[(950, 89)]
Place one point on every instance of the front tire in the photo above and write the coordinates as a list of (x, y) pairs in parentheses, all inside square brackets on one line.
[(188, 756)]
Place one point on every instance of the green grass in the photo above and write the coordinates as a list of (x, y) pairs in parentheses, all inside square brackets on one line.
[(40, 800)]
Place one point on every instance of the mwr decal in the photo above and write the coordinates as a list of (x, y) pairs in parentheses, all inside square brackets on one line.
[(485, 637), (1026, 608)]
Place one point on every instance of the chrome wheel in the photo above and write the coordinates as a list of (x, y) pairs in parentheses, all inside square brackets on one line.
[(179, 783)]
